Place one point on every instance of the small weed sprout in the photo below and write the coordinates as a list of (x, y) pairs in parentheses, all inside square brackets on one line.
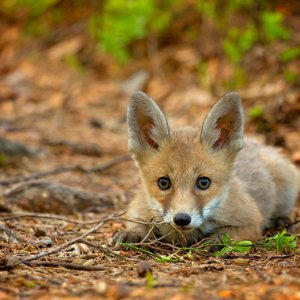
[(282, 242)]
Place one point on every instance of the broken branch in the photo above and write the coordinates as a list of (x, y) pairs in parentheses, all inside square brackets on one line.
[(71, 168), (84, 149), (65, 265), (69, 243), (54, 217)]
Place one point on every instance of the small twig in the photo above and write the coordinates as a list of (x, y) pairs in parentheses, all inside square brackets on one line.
[(151, 242), (148, 234), (102, 249), (10, 235), (46, 216), (274, 256), (179, 233), (65, 265), (7, 290), (54, 217), (64, 169), (262, 273), (85, 149), (69, 243), (142, 222), (159, 249), (202, 242), (233, 256), (293, 223)]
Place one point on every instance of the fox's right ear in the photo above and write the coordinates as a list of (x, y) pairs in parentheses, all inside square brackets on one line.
[(224, 125), (147, 126)]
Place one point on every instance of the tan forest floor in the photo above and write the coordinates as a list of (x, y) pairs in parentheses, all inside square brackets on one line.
[(63, 114)]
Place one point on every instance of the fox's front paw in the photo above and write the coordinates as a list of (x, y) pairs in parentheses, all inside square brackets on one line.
[(125, 237), (215, 240)]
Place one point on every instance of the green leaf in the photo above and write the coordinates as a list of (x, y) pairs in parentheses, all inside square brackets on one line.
[(164, 258), (225, 239), (290, 76), (223, 251), (157, 257), (74, 63), (32, 7), (238, 41), (256, 112), (128, 245), (151, 281), (282, 242), (3, 159), (123, 22), (208, 8), (290, 54), (243, 246), (273, 27)]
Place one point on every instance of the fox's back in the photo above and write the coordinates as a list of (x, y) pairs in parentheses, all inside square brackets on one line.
[(269, 178)]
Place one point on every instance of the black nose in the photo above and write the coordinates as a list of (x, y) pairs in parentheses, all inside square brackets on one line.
[(182, 219)]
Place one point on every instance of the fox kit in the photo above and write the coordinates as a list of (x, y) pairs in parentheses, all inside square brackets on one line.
[(203, 183)]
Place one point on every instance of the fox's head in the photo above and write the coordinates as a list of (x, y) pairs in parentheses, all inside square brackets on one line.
[(185, 172)]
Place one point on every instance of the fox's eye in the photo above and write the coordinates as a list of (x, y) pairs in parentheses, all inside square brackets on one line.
[(203, 183), (164, 183)]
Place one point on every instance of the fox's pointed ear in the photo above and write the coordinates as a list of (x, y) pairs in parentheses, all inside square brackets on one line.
[(224, 125), (147, 126)]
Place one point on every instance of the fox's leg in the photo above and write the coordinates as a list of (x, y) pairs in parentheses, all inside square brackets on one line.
[(278, 223), (252, 233), (134, 233), (287, 193), (286, 178)]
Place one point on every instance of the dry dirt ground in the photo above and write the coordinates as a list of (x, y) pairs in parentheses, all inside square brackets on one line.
[(78, 121)]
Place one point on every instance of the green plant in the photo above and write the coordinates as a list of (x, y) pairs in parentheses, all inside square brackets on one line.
[(74, 63), (204, 75), (34, 14), (234, 5), (122, 22), (238, 78), (238, 41), (150, 280), (290, 76), (273, 27), (231, 246), (282, 242), (3, 159), (240, 35), (32, 7), (207, 8), (157, 257), (256, 112), (290, 54)]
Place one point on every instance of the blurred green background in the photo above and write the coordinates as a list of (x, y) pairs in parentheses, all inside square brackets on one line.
[(245, 36)]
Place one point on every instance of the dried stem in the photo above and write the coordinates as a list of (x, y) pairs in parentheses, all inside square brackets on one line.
[(65, 169), (65, 265), (102, 249), (55, 217), (69, 243)]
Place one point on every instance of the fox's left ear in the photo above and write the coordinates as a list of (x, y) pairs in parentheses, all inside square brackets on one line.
[(224, 125), (148, 128)]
